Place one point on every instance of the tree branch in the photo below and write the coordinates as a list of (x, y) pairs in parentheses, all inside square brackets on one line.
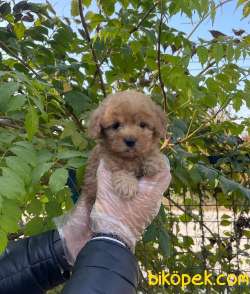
[(10, 123), (159, 62), (6, 122), (210, 64), (88, 39), (202, 20), (101, 63), (151, 9), (205, 17), (10, 52), (204, 125), (75, 119)]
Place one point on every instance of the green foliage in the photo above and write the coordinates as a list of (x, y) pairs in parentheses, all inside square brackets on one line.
[(58, 179), (246, 7), (53, 72), (31, 122)]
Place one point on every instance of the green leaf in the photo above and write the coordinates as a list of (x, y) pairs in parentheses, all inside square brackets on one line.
[(246, 233), (27, 155), (78, 140), (74, 8), (35, 207), (230, 52), (8, 223), (53, 208), (237, 102), (182, 175), (195, 175), (151, 233), (40, 170), (70, 154), (246, 10), (58, 180), (76, 162), (217, 52), (212, 11), (6, 137), (240, 2), (34, 226), (38, 33), (229, 186), (207, 173), (11, 207), (94, 18), (188, 241), (125, 3), (78, 101), (11, 188), (247, 93), (19, 30), (225, 223), (185, 218), (202, 53), (86, 2), (108, 6), (3, 240), (164, 243), (237, 53), (19, 167), (9, 173), (16, 102), (5, 8), (44, 156), (25, 144), (6, 91), (31, 122)]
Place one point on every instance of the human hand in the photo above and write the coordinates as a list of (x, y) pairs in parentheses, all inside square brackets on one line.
[(74, 228), (127, 218)]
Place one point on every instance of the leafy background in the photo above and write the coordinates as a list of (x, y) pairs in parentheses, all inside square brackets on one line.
[(55, 70)]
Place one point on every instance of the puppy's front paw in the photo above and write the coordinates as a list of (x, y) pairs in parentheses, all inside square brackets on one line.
[(125, 185), (153, 165)]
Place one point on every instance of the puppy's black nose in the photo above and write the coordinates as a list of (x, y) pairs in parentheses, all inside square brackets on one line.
[(130, 142)]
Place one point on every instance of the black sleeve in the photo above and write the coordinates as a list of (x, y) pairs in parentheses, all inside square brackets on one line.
[(103, 267), (33, 265)]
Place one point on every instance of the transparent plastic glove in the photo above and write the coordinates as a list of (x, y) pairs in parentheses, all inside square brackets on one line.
[(74, 228), (128, 219)]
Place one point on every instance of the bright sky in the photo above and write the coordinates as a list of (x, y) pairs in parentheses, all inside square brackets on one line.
[(227, 18)]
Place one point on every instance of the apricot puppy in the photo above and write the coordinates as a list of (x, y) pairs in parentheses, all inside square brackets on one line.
[(128, 126)]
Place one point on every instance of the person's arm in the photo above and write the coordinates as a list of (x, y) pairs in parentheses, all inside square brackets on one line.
[(103, 266), (36, 264), (106, 265), (33, 265)]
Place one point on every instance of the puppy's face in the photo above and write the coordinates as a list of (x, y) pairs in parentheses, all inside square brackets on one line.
[(129, 124), (127, 132)]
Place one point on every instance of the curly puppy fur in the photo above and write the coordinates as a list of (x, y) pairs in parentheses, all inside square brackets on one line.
[(128, 126)]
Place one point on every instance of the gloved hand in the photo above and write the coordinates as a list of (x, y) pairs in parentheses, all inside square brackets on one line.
[(127, 218), (74, 228)]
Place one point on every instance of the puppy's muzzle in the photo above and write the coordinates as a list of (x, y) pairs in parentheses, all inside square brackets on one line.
[(130, 142)]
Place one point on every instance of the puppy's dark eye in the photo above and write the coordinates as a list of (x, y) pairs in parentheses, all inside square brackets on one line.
[(143, 125), (115, 125)]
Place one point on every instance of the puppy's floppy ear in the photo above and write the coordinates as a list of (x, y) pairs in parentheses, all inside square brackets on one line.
[(94, 126), (160, 122)]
